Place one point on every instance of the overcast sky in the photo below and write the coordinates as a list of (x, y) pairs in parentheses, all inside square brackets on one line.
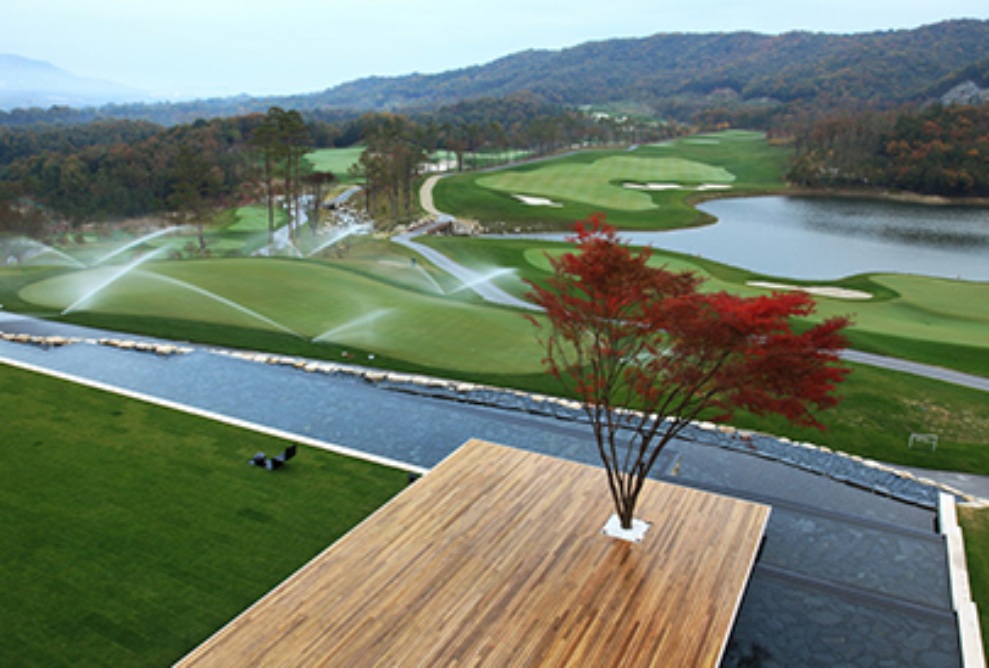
[(183, 48)]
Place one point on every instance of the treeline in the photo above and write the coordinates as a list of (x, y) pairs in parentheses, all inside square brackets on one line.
[(742, 78), (109, 169), (105, 172), (938, 150)]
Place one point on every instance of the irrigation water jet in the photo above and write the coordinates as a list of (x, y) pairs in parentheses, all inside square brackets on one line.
[(432, 281), (362, 321), (136, 242), (478, 279), (120, 273), (43, 249), (223, 300), (340, 235)]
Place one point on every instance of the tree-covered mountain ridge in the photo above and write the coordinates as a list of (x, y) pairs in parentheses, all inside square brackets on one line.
[(877, 68), (671, 74)]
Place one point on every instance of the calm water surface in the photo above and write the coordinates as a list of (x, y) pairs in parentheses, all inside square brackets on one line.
[(820, 238), (826, 239)]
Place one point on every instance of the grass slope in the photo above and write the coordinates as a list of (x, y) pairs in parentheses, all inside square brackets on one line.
[(593, 181), (403, 316), (133, 532)]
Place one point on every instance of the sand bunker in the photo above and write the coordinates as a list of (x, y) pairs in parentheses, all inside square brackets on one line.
[(676, 186), (654, 186), (818, 290), (535, 201)]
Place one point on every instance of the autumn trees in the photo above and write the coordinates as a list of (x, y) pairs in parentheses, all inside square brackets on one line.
[(939, 150), (117, 169), (646, 352)]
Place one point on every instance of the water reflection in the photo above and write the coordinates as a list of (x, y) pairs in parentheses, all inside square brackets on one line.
[(827, 239), (943, 227)]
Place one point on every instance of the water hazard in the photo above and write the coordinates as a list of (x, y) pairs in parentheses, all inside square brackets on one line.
[(825, 239), (828, 239)]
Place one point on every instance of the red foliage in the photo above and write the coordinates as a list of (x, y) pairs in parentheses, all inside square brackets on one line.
[(626, 333)]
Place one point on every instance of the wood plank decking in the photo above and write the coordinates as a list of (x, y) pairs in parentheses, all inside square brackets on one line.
[(496, 558)]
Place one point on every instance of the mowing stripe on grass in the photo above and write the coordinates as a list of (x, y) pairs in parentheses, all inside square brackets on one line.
[(217, 417)]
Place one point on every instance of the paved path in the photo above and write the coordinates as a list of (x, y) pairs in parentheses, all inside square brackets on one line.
[(918, 369)]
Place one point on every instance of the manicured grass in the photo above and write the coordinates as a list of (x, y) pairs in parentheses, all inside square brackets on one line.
[(336, 160), (601, 183), (133, 532), (592, 181), (403, 318), (975, 525), (932, 320), (879, 411), (255, 219)]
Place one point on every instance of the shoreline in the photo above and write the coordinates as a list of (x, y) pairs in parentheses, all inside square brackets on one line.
[(901, 197)]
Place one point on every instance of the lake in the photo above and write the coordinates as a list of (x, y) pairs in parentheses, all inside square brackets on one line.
[(828, 238)]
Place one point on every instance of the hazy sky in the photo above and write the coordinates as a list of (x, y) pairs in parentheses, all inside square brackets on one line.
[(181, 48)]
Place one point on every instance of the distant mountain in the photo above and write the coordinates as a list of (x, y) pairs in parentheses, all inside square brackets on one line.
[(674, 74), (887, 67), (35, 83)]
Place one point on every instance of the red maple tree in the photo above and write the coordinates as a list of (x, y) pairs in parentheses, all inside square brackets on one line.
[(647, 352)]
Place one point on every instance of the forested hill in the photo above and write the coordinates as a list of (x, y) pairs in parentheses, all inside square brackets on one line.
[(882, 67), (675, 75)]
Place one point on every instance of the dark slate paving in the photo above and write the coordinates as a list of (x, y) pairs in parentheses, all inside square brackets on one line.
[(848, 577), (783, 624)]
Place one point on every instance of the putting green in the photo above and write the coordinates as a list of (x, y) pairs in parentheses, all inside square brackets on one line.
[(600, 183), (927, 309), (313, 301)]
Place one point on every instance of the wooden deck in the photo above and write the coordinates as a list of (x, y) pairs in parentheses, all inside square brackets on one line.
[(496, 558)]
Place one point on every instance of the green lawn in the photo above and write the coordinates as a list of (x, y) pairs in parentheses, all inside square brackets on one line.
[(933, 320), (336, 160), (255, 219), (595, 181), (401, 317), (975, 525), (133, 532), (880, 408)]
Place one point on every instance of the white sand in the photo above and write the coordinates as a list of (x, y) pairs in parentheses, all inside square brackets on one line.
[(535, 201), (676, 186), (819, 290), (654, 186)]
